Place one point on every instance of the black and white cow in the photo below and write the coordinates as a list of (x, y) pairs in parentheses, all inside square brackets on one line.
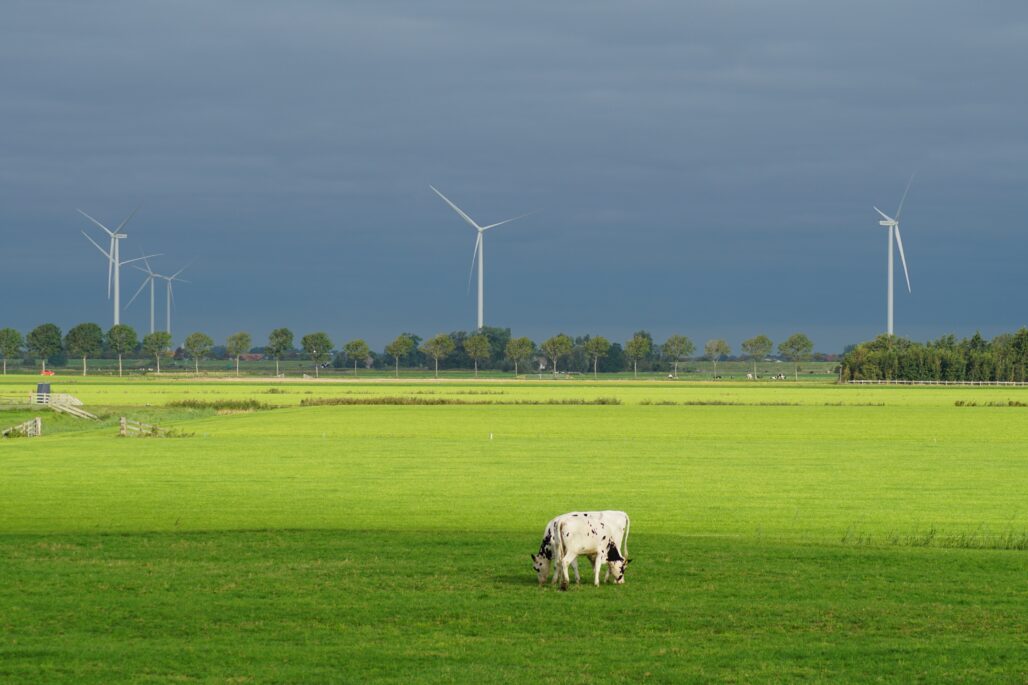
[(589, 536), (543, 561)]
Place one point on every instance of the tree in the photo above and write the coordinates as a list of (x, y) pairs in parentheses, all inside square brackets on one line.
[(401, 347), (121, 339), (237, 344), (44, 341), (318, 347), (279, 342), (637, 348), (10, 344), (796, 348), (1019, 347), (597, 348), (715, 349), (477, 347), (156, 345), (357, 351), (519, 350), (557, 347), (676, 348), (198, 345), (757, 347), (437, 348), (84, 340)]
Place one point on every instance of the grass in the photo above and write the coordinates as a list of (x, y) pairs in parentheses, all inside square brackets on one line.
[(790, 532)]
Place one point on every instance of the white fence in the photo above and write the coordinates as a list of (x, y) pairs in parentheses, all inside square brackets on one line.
[(138, 428), (61, 402), (963, 383), (32, 428)]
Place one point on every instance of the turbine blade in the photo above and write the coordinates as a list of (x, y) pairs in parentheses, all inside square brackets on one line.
[(903, 259), (175, 275), (500, 223), (102, 251), (904, 198), (127, 219), (129, 261), (109, 231), (457, 209), (884, 215), (474, 256), (145, 281), (146, 261)]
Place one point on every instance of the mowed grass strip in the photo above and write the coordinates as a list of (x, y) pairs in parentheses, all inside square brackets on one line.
[(798, 473), (431, 606)]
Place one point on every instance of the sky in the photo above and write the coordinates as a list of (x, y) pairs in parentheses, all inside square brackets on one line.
[(705, 168)]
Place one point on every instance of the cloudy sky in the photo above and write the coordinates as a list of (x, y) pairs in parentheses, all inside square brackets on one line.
[(706, 168)]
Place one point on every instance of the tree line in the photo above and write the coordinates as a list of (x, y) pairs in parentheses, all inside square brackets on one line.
[(488, 348), (1004, 358)]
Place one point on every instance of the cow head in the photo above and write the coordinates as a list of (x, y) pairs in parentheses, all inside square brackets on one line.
[(617, 569), (616, 563), (541, 565)]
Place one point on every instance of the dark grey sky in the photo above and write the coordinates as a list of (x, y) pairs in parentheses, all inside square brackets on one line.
[(706, 168)]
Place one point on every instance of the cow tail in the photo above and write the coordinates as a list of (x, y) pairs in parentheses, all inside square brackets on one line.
[(624, 541), (558, 545)]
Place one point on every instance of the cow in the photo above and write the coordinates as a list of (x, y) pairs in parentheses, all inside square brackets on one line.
[(592, 537), (543, 560)]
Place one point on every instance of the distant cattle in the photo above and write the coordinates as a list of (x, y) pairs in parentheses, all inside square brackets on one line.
[(544, 561)]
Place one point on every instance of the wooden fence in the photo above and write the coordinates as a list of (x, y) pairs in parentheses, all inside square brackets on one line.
[(128, 427), (33, 428), (62, 403)]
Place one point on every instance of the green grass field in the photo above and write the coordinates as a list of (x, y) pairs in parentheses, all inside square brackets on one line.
[(779, 532)]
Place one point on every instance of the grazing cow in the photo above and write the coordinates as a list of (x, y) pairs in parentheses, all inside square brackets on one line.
[(592, 537), (543, 560)]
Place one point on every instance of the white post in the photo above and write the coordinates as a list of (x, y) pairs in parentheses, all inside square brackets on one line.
[(151, 305), (167, 309)]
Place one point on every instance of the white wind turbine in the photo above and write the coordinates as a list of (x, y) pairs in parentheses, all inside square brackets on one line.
[(894, 229), (168, 293), (114, 262), (151, 276), (479, 252)]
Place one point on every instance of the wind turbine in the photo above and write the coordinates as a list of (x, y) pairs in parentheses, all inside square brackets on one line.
[(114, 262), (894, 229), (479, 252), (151, 276), (168, 293)]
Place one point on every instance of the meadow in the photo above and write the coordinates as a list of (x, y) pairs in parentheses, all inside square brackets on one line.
[(300, 531)]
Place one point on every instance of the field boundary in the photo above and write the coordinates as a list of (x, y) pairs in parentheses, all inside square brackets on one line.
[(1016, 384)]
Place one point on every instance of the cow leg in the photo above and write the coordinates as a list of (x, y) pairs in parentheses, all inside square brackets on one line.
[(601, 559), (574, 565), (563, 573)]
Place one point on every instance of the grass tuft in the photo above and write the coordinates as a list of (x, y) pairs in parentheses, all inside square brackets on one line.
[(240, 405)]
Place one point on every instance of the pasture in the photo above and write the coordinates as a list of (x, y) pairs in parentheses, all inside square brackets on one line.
[(381, 531)]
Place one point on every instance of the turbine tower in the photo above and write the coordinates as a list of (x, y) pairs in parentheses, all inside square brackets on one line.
[(478, 254), (894, 230), (114, 262)]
